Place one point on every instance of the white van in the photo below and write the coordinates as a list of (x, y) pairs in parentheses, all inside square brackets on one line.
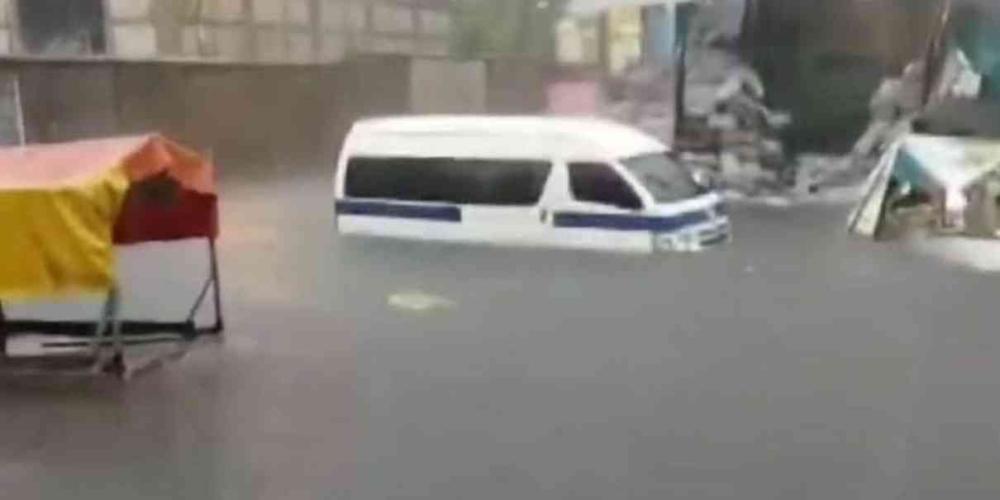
[(527, 181)]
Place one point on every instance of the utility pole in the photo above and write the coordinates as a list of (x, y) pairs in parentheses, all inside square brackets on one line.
[(682, 21), (933, 56)]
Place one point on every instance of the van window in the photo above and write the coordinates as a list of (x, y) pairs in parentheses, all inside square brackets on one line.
[(448, 180), (667, 180), (599, 183)]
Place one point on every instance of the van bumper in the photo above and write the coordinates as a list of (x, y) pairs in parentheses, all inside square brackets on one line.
[(701, 237), (719, 234)]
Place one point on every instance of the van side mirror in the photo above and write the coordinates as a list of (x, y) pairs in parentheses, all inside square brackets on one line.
[(706, 179)]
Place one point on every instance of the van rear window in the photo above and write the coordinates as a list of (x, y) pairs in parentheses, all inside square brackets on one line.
[(447, 180)]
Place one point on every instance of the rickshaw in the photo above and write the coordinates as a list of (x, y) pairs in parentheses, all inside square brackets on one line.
[(63, 210)]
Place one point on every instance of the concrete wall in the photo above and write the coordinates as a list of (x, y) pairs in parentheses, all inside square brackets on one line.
[(66, 102), (6, 27), (274, 31), (266, 116), (367, 86), (442, 86), (10, 113), (136, 112), (515, 86), (499, 86), (249, 115), (271, 31)]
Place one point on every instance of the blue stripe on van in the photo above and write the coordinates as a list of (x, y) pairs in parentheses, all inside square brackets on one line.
[(442, 213), (625, 222)]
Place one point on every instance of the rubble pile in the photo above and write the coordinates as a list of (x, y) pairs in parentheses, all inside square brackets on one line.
[(725, 114), (726, 126)]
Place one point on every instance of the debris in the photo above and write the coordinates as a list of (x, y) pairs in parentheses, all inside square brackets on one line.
[(959, 80), (725, 112), (776, 201), (416, 301), (724, 105), (939, 184), (899, 102)]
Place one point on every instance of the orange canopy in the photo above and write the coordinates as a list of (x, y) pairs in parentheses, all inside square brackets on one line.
[(191, 213), (44, 166), (63, 206)]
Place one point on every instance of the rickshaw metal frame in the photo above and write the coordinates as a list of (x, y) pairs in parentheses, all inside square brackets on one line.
[(108, 337)]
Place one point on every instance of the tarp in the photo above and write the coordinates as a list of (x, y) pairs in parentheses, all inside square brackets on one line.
[(948, 165), (977, 33), (63, 207)]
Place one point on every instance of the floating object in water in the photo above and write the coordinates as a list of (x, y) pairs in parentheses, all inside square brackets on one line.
[(416, 301)]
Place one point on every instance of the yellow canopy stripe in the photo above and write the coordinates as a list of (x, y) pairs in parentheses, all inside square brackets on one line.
[(58, 241)]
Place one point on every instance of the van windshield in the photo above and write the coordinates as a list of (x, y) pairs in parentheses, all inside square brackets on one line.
[(665, 179)]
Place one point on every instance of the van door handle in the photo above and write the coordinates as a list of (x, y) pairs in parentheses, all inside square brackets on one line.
[(544, 216)]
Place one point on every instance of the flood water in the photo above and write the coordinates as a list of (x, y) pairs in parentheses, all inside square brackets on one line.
[(795, 363)]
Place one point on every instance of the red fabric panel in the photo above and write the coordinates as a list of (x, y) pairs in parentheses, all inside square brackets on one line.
[(191, 215), (190, 211)]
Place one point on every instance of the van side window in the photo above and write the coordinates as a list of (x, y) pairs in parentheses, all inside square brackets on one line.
[(501, 182), (448, 180), (599, 183), (394, 179)]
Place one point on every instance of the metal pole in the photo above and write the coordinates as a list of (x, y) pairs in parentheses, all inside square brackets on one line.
[(3, 333), (680, 93), (932, 58), (102, 325), (116, 364), (682, 19), (20, 111), (118, 341), (220, 324)]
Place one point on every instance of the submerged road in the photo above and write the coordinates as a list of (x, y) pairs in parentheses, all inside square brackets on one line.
[(794, 364)]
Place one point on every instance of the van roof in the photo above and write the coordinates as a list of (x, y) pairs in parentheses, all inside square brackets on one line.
[(586, 136)]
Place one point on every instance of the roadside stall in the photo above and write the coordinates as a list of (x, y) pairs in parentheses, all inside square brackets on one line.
[(933, 184), (63, 210)]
